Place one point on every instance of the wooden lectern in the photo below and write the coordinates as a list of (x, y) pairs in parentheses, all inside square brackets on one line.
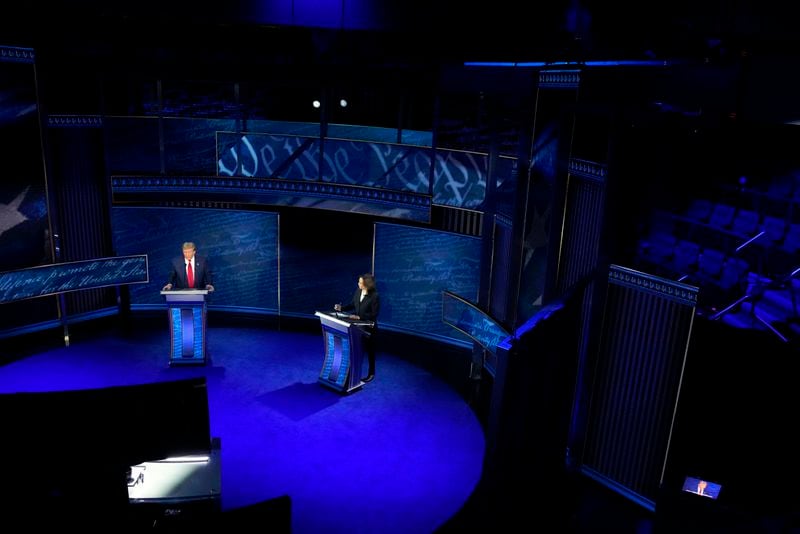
[(343, 341), (186, 309)]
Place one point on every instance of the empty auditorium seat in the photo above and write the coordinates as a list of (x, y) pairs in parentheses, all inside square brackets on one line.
[(709, 264), (781, 186), (734, 273), (783, 254), (794, 178), (721, 280), (786, 257), (745, 223), (685, 258), (774, 229), (791, 241), (699, 210), (722, 216), (657, 248)]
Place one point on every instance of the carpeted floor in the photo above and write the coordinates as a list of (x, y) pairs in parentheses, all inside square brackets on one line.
[(401, 455), (404, 454)]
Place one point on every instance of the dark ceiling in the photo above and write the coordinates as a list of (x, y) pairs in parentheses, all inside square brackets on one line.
[(404, 44), (404, 31)]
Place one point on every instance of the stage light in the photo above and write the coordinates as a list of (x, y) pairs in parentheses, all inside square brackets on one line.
[(343, 103), (316, 104), (188, 459)]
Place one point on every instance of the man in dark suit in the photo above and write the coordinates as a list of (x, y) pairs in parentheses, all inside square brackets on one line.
[(366, 305), (190, 272)]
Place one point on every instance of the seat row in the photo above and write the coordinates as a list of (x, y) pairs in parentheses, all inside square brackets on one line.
[(741, 222), (721, 277), (767, 242)]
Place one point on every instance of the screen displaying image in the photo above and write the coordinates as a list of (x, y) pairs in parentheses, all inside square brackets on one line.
[(701, 487)]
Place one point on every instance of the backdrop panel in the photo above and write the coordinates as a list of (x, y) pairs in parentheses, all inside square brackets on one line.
[(24, 225), (322, 255), (133, 144), (190, 145), (242, 248), (413, 266)]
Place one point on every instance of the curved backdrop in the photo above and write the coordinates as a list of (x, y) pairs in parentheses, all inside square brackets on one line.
[(264, 267)]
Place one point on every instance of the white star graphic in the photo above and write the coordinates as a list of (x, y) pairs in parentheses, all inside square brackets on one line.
[(10, 216)]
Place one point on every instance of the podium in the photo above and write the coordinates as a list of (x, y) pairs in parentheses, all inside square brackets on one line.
[(186, 309), (343, 342)]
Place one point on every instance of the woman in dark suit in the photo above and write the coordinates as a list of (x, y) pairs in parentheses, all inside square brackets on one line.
[(365, 306)]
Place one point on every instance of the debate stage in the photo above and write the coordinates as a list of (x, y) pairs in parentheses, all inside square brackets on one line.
[(402, 454)]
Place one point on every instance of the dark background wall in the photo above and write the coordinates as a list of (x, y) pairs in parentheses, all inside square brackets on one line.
[(166, 90)]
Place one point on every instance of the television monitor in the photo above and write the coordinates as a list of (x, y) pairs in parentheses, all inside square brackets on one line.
[(701, 487)]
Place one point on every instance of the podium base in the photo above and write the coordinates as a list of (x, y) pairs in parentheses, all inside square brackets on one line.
[(186, 313), (336, 387), (188, 362)]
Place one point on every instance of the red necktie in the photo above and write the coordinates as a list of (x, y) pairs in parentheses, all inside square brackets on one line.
[(190, 274)]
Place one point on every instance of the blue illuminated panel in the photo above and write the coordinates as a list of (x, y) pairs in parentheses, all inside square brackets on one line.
[(460, 178), (388, 166), (278, 192), (188, 341), (72, 276), (241, 247), (337, 359), (472, 321), (268, 156), (413, 266), (341, 369)]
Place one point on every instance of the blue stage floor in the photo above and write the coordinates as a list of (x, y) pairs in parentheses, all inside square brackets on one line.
[(401, 455)]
